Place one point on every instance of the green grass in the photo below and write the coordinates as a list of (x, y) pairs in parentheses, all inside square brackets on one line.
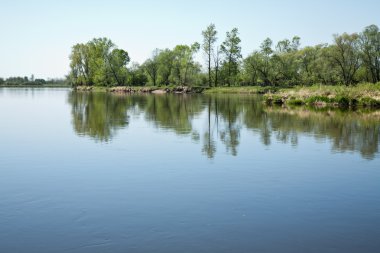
[(366, 95), (240, 90)]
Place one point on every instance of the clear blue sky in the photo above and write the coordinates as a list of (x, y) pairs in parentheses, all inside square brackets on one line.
[(37, 36)]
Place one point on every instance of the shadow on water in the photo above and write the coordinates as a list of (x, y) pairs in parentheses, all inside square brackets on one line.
[(101, 115)]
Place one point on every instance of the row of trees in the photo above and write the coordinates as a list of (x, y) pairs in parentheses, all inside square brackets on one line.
[(19, 81), (350, 59)]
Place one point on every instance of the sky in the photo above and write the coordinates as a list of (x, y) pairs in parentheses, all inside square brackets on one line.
[(37, 36)]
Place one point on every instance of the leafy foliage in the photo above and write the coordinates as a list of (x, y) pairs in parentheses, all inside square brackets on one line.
[(350, 59)]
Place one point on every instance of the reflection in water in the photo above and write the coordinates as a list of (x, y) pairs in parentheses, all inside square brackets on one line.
[(99, 115), (172, 112), (349, 131)]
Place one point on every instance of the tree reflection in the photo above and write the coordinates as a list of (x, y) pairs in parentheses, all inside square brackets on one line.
[(100, 115), (209, 145), (172, 112), (349, 131), (228, 109)]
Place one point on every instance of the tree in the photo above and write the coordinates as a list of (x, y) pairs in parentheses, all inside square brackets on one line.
[(285, 62), (183, 63), (370, 51), (136, 75), (165, 66), (79, 64), (345, 54), (261, 63), (117, 62), (98, 62), (232, 52), (99, 49), (209, 39), (250, 72), (151, 66), (216, 58)]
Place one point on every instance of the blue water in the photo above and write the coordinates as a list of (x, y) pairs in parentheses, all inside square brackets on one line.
[(85, 172)]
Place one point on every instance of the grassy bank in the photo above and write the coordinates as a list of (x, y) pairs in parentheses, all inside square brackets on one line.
[(365, 95), (241, 90), (142, 89)]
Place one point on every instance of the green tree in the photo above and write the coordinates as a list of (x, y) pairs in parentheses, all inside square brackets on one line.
[(370, 51), (117, 62), (217, 58), (151, 67), (259, 64), (345, 54), (98, 62), (209, 39), (285, 62), (136, 75), (232, 52), (165, 68), (80, 66), (183, 63)]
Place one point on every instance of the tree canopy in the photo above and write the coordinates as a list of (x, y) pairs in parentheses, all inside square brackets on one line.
[(348, 60)]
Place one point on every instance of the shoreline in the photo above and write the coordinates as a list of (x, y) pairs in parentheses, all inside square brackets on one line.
[(141, 89), (361, 95)]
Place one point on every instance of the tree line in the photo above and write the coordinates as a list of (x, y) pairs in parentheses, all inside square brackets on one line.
[(350, 59), (30, 81)]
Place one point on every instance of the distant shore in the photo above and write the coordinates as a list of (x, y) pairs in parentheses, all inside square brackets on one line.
[(36, 86)]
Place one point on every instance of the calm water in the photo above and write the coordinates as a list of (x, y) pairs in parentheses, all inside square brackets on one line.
[(108, 173)]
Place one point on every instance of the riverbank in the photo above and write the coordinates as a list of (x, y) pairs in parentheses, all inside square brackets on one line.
[(364, 95), (181, 89), (142, 89), (361, 95)]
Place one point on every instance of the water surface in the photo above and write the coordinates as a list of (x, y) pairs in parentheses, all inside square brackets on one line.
[(96, 172)]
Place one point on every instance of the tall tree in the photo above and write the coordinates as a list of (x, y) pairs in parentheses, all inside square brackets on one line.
[(117, 61), (165, 68), (79, 64), (232, 51), (216, 57), (345, 54), (209, 39), (370, 48), (98, 62), (183, 63), (151, 66)]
